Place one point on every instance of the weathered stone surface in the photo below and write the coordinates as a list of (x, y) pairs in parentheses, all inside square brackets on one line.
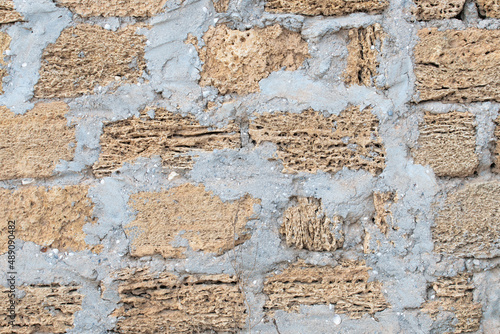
[(426, 10), (8, 13), (171, 136), (31, 145), (43, 309), (489, 8), (221, 6), (455, 294), (189, 212), (48, 217), (306, 226), (364, 47), (4, 46), (382, 202), (467, 225), (326, 7), (235, 61), (345, 286), (496, 154), (458, 65), (309, 141), (447, 143), (165, 303), (106, 8), (86, 56)]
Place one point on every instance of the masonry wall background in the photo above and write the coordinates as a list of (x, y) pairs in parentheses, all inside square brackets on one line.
[(251, 166)]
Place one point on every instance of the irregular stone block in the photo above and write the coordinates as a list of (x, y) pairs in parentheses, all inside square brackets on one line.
[(8, 13), (4, 46), (221, 6), (447, 143), (488, 8), (497, 146), (437, 9), (188, 212), (326, 7), (107, 8), (309, 141), (382, 202), (171, 136)]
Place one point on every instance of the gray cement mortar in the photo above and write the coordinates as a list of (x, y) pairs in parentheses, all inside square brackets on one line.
[(404, 261)]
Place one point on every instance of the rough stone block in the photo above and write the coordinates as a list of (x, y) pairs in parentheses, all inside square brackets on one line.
[(191, 213), (107, 8), (497, 146), (467, 225), (447, 143), (86, 56), (4, 46), (221, 6), (43, 309), (364, 47), (165, 303), (309, 141), (169, 135), (32, 144), (346, 286), (306, 226), (489, 8), (426, 10), (53, 218), (8, 13), (382, 202), (235, 61), (326, 7), (455, 294), (458, 65)]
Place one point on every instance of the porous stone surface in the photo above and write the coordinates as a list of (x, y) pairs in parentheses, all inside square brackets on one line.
[(121, 8), (31, 145), (488, 8), (7, 12), (4, 46), (191, 213), (221, 6), (467, 225), (497, 145), (457, 65), (382, 201), (44, 309), (235, 61), (163, 302), (447, 143), (426, 10), (327, 7), (52, 218), (310, 142), (86, 56)]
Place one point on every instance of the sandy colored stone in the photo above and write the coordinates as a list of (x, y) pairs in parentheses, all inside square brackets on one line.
[(235, 61), (31, 145), (447, 143), (455, 294), (189, 212), (468, 224), (326, 7), (51, 217), (345, 286), (458, 65), (45, 309), (221, 6), (489, 8), (426, 10), (165, 303), (8, 13), (382, 202), (306, 226), (86, 56), (107, 8), (496, 154), (171, 136), (4, 46), (363, 49), (309, 141)]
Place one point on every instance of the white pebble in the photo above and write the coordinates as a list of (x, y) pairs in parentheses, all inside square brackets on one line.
[(24, 65), (107, 26), (337, 320)]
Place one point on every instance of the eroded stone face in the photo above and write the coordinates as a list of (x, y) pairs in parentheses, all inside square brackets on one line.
[(326, 7), (121, 8), (163, 302), (4, 46), (426, 10), (488, 8), (497, 145), (235, 61), (7, 12)]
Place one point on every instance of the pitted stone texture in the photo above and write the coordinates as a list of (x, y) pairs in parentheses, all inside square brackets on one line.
[(235, 61), (4, 46), (447, 143), (221, 6), (326, 7), (165, 303), (489, 8), (44, 309), (467, 225), (309, 141), (382, 202), (31, 145), (48, 217), (86, 56), (171, 136), (455, 294), (364, 47), (121, 8), (497, 145), (458, 65), (306, 226), (345, 286), (437, 9), (8, 13), (188, 212)]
